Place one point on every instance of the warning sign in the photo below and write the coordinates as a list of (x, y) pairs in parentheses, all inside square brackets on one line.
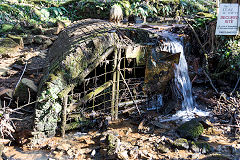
[(227, 22)]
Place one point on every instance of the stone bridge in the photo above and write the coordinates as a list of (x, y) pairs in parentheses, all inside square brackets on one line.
[(78, 50)]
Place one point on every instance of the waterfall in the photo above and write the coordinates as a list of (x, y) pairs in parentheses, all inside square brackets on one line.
[(182, 81)]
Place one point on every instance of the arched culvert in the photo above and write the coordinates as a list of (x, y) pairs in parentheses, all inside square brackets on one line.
[(95, 66)]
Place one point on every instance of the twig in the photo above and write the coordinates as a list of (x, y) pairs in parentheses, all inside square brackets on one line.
[(236, 85), (26, 105), (210, 81), (29, 96), (21, 76), (129, 92), (18, 82)]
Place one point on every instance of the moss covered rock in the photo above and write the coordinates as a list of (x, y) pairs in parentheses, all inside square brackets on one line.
[(191, 129), (181, 143)]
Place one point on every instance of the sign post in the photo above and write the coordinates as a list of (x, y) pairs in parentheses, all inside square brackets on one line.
[(228, 17)]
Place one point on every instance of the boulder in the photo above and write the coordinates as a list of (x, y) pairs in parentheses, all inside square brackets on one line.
[(24, 87), (191, 129)]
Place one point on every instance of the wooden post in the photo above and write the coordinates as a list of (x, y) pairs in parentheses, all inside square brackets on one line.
[(114, 83), (64, 115), (118, 80)]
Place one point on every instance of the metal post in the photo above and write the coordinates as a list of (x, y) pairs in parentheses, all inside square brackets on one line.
[(114, 83), (118, 80)]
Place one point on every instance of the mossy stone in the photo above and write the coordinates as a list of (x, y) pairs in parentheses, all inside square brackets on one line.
[(191, 129), (181, 143)]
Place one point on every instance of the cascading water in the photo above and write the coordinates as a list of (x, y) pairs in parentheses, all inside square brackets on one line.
[(182, 81)]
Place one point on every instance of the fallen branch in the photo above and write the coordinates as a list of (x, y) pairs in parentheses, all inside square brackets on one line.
[(210, 82)]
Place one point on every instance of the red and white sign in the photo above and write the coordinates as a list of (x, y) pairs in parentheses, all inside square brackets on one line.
[(227, 22)]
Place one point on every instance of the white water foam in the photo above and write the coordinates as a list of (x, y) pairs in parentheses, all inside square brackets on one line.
[(182, 81)]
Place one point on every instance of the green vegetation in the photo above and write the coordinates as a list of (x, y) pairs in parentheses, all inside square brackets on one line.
[(40, 11)]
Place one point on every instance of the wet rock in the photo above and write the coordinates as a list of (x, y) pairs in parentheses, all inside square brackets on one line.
[(181, 143), (24, 88), (191, 129)]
